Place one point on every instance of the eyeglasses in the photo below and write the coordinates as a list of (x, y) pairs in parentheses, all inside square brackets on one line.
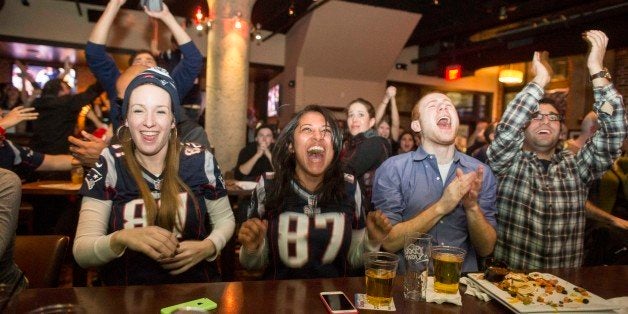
[(537, 116)]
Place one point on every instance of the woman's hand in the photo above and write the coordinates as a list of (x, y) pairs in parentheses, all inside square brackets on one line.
[(189, 253), (155, 242), (378, 226), (165, 12), (17, 115), (252, 233)]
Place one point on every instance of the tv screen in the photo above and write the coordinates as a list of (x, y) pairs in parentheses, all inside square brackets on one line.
[(274, 97), (42, 74)]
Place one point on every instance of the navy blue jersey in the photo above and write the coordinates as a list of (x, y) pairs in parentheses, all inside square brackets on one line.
[(13, 156), (307, 238), (110, 180)]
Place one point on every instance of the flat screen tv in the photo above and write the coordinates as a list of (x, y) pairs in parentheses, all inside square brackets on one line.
[(42, 74), (274, 98)]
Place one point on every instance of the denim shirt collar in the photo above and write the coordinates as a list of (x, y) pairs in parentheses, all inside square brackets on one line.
[(420, 154)]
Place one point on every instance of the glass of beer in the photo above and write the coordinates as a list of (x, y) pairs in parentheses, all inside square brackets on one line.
[(447, 261), (76, 174), (380, 268)]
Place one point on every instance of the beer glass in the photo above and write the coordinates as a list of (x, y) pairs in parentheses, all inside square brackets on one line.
[(447, 261), (380, 269), (416, 252), (77, 174)]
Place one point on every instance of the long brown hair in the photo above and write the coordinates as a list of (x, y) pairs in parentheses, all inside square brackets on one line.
[(166, 214)]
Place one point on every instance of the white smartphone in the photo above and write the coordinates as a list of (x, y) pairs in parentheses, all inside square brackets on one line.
[(337, 302)]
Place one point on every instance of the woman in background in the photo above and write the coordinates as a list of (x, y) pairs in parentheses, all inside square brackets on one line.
[(365, 149)]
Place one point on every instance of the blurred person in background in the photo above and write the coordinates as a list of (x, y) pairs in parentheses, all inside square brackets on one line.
[(385, 128), (365, 150), (406, 142)]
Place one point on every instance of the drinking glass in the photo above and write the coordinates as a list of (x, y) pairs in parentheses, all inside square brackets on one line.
[(416, 252), (447, 262), (59, 308), (380, 269), (76, 173)]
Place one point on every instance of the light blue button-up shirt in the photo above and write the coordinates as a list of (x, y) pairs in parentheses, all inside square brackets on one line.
[(407, 184)]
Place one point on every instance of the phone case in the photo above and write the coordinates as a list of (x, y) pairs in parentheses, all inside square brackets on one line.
[(329, 310), (153, 5), (202, 303)]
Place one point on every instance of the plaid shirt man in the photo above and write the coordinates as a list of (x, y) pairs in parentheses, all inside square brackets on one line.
[(541, 214)]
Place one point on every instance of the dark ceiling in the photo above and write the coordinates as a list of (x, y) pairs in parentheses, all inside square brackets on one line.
[(503, 31)]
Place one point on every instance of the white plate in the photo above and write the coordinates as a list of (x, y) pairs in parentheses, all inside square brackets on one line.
[(595, 304), (246, 185)]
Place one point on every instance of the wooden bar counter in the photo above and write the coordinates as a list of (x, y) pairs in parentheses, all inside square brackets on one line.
[(288, 296)]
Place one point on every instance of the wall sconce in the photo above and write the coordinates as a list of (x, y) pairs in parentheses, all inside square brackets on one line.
[(291, 10), (256, 33), (201, 22), (238, 23), (509, 76), (502, 13)]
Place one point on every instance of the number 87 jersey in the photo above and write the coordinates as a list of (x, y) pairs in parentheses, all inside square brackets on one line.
[(308, 238)]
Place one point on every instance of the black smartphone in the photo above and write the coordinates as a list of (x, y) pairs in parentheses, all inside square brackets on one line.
[(337, 302)]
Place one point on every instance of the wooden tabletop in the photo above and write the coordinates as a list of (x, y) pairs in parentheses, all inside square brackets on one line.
[(287, 296), (50, 187)]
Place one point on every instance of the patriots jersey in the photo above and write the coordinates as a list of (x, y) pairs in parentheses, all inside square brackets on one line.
[(111, 181), (13, 156), (307, 238)]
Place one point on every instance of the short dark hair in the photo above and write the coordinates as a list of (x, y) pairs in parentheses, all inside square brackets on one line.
[(549, 101), (52, 88), (265, 126), (139, 52)]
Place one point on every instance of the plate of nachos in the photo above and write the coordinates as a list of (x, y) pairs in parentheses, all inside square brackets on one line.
[(539, 292)]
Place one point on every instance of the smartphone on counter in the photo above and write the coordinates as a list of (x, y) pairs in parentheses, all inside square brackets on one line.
[(202, 303), (153, 5), (337, 302)]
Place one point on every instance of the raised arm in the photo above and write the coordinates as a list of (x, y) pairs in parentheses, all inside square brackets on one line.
[(598, 154), (391, 91), (509, 132), (27, 100), (191, 64), (101, 30), (165, 16), (394, 118)]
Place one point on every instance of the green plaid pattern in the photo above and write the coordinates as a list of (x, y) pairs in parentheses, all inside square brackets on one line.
[(541, 216)]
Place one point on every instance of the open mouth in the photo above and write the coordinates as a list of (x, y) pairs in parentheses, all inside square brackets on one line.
[(444, 122), (149, 136), (315, 153), (543, 132)]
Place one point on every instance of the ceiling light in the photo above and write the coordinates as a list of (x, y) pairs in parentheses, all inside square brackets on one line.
[(291, 11), (502, 14), (509, 76)]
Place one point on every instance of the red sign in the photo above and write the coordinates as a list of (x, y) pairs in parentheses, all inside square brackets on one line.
[(453, 72)]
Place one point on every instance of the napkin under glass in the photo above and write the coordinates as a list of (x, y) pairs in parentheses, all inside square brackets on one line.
[(437, 297)]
